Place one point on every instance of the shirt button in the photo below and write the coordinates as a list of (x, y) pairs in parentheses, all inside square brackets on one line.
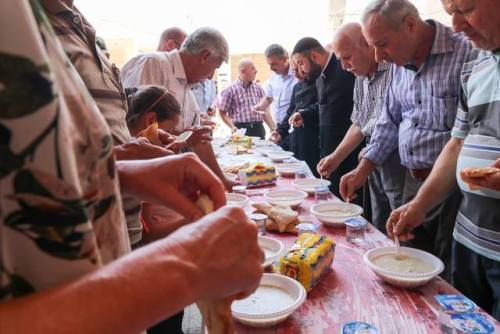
[(76, 19), (419, 101)]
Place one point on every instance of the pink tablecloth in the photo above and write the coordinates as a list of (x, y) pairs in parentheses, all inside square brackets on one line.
[(352, 292)]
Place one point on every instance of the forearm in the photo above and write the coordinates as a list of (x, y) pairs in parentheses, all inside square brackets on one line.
[(227, 120), (442, 178), (205, 152), (351, 140), (125, 297), (264, 104), (269, 120)]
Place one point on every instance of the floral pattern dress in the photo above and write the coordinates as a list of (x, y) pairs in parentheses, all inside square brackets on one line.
[(60, 208)]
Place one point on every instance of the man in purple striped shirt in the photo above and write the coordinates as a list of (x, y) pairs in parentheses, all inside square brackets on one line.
[(235, 102)]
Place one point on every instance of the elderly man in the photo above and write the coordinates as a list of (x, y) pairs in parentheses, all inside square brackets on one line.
[(64, 263), (278, 88), (373, 78), (200, 55), (475, 142), (335, 91), (419, 109), (236, 100), (303, 140)]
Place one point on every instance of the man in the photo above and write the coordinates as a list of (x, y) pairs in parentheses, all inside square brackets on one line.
[(171, 39), (475, 142), (200, 55), (303, 140), (419, 109), (335, 89), (387, 180), (236, 100), (278, 89), (204, 91), (102, 80), (63, 263)]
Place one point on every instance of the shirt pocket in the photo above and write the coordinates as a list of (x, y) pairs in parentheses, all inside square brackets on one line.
[(438, 113)]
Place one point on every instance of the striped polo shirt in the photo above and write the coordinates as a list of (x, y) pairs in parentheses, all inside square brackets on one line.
[(478, 123)]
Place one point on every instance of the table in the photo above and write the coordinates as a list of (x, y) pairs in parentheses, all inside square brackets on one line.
[(352, 292)]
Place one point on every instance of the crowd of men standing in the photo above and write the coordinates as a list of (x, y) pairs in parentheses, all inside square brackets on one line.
[(396, 105)]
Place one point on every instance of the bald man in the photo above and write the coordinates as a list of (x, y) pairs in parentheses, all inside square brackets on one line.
[(171, 39), (372, 78), (235, 102)]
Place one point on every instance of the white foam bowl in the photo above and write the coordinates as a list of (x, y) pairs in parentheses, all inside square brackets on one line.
[(404, 280), (276, 298), (273, 249), (279, 156), (238, 200), (265, 151), (285, 197), (231, 176), (329, 213), (289, 167), (264, 143), (309, 184)]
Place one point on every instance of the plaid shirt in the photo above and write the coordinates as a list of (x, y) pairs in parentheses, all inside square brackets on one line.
[(369, 94), (420, 107), (237, 98)]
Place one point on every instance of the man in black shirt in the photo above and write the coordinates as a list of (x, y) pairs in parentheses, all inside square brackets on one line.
[(335, 100)]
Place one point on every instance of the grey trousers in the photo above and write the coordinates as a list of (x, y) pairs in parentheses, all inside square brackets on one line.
[(435, 235), (386, 189)]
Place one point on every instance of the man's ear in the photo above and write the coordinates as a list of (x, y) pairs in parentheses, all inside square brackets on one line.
[(410, 23), (205, 55)]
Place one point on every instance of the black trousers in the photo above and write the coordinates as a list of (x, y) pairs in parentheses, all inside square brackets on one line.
[(172, 325), (477, 277), (253, 129)]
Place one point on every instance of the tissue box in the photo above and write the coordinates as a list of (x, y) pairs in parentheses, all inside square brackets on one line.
[(308, 260)]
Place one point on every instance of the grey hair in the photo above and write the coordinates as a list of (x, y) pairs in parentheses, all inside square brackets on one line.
[(275, 50), (207, 39), (243, 63), (393, 11)]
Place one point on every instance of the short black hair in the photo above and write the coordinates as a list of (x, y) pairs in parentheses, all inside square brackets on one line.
[(150, 98), (275, 50), (307, 44)]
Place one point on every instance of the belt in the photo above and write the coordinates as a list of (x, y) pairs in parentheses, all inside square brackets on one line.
[(420, 174), (247, 124)]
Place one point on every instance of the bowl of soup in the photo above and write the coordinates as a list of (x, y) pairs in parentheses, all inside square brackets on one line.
[(411, 269)]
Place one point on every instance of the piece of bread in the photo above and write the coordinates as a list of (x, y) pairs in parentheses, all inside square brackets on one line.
[(216, 313), (470, 175), (280, 219)]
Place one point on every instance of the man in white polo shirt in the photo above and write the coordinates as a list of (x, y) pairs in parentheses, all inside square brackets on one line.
[(200, 55)]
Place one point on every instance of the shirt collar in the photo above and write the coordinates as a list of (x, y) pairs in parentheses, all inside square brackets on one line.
[(242, 84), (443, 39), (327, 62), (178, 67)]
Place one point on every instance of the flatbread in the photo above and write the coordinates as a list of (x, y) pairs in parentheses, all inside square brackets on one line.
[(216, 313), (151, 134), (470, 175), (281, 219)]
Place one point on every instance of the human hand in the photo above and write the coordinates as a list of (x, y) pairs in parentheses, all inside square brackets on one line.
[(487, 177), (140, 149), (207, 121), (275, 136), (327, 165), (222, 245), (403, 220), (296, 120), (173, 181), (211, 111), (200, 134), (351, 182)]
